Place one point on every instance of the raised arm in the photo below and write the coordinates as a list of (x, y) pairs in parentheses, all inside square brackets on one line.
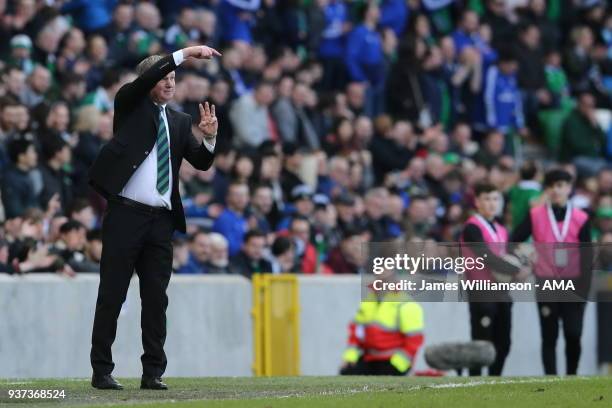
[(133, 92)]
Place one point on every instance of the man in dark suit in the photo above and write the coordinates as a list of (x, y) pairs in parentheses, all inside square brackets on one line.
[(137, 172)]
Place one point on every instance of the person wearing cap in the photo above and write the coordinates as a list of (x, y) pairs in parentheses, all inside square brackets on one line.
[(553, 223), (347, 213), (21, 53)]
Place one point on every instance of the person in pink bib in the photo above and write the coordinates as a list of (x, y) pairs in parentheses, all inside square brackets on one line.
[(490, 312), (561, 234)]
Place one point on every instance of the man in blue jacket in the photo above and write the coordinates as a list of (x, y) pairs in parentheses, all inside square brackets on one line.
[(332, 46), (236, 17), (394, 15), (502, 99), (365, 58)]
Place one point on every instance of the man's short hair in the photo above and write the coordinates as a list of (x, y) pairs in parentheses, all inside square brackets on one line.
[(147, 63), (254, 233), (71, 225), (79, 204), (193, 237), (52, 144), (555, 175), (17, 147), (484, 188), (281, 245)]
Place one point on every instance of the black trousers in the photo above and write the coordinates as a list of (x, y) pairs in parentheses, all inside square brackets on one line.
[(133, 239), (382, 367), (572, 315), (492, 321)]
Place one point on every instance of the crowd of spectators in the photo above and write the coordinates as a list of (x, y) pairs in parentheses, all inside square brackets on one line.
[(340, 122)]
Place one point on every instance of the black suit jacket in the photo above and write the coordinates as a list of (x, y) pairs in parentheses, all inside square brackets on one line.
[(135, 131)]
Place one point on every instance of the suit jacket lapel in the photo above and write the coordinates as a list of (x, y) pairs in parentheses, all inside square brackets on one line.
[(154, 112)]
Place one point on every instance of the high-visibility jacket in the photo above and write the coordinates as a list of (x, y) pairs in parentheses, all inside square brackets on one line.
[(389, 329)]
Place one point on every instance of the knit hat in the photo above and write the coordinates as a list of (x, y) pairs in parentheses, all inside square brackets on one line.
[(21, 41)]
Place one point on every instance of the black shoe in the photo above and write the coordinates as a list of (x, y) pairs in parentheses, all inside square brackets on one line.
[(152, 383), (105, 382)]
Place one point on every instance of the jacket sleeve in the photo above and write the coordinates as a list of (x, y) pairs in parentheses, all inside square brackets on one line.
[(490, 97), (131, 93), (411, 326), (354, 347)]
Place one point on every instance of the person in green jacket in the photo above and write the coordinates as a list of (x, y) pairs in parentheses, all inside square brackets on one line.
[(583, 140), (525, 193)]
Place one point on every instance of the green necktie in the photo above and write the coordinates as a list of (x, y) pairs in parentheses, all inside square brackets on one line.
[(163, 154)]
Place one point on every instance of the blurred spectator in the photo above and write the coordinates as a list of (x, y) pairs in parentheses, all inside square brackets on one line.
[(305, 252), (324, 231), (330, 43), (583, 141), (147, 38), (348, 256), (503, 100), (199, 252), (294, 125), (283, 255), (250, 258), (18, 190), (218, 262), (180, 253), (56, 181), (365, 57), (232, 222), (37, 87), (90, 15), (251, 118), (82, 211), (262, 204), (183, 31), (236, 17), (523, 195), (531, 72), (93, 248), (71, 248), (21, 50)]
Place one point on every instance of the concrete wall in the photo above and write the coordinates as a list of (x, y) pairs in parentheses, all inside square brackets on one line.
[(328, 302), (45, 327)]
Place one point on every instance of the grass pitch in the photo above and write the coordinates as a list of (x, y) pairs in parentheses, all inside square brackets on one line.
[(336, 392)]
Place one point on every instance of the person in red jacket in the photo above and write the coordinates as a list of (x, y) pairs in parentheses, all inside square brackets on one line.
[(384, 336)]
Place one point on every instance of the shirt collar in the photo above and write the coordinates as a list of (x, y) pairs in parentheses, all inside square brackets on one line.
[(163, 105)]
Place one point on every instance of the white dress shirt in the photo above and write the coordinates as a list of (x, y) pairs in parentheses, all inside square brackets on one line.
[(142, 186)]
